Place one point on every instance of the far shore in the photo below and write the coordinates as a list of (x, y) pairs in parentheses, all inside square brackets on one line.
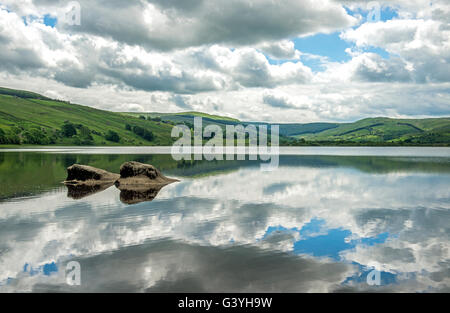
[(305, 145)]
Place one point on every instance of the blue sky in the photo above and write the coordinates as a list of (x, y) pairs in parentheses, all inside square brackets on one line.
[(318, 240), (332, 46)]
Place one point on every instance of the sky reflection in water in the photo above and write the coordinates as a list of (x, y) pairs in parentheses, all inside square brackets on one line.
[(316, 224)]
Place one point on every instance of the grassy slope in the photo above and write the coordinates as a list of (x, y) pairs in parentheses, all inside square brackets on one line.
[(386, 130), (50, 115), (291, 129), (370, 130), (295, 129), (30, 110)]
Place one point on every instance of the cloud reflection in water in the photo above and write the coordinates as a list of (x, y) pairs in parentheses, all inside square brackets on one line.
[(300, 228)]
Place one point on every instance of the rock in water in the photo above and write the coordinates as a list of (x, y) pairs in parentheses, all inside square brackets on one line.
[(137, 182), (83, 174), (141, 176), (140, 182)]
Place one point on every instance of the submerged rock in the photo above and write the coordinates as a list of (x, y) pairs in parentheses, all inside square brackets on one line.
[(88, 175), (141, 176)]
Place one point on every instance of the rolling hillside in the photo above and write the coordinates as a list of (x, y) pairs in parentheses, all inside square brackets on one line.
[(187, 118), (28, 118), (387, 130), (370, 131)]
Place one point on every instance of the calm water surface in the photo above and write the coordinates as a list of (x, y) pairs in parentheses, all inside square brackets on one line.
[(320, 223)]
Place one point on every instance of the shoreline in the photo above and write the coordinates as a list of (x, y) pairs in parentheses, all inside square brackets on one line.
[(3, 147), (305, 151)]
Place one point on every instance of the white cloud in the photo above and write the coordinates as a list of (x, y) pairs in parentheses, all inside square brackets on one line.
[(423, 46), (281, 50), (226, 70)]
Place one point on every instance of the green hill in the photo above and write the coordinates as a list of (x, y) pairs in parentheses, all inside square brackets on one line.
[(294, 129), (188, 119), (387, 130), (28, 118)]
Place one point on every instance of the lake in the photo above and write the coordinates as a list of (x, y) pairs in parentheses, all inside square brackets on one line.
[(326, 220)]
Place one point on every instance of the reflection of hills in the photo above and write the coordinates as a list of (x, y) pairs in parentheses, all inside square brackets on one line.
[(369, 164), (372, 164)]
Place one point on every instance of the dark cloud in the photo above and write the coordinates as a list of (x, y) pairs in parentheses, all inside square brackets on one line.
[(181, 102), (18, 59), (180, 24), (373, 68), (277, 101), (180, 267)]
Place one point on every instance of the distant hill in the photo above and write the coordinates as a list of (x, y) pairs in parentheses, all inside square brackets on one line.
[(387, 130), (30, 118), (370, 131), (188, 118)]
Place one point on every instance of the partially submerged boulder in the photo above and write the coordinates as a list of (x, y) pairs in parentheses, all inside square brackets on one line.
[(137, 182), (88, 175), (141, 176)]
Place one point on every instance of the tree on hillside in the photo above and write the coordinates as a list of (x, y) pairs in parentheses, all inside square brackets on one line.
[(85, 133), (68, 129), (36, 136), (3, 139), (112, 136), (144, 133)]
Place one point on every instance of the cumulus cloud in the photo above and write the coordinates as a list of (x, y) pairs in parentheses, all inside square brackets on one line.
[(369, 67), (277, 102), (80, 61), (280, 100), (168, 24), (423, 44), (282, 50), (144, 55)]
